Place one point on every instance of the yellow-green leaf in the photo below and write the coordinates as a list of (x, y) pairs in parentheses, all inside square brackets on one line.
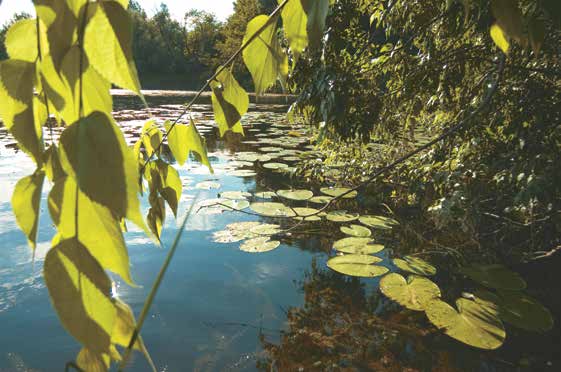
[(151, 137), (108, 44), (81, 294), (295, 21), (98, 229), (509, 18), (16, 95), (413, 293), (499, 38), (156, 214), (25, 203), (21, 40), (94, 152), (185, 138), (171, 185), (229, 102), (90, 361), (264, 57), (316, 11), (53, 169)]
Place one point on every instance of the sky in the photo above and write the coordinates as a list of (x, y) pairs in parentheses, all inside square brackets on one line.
[(221, 8)]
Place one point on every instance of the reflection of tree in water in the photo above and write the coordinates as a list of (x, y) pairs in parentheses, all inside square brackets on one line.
[(342, 327)]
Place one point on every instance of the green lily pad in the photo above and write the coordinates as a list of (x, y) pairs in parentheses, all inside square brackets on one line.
[(235, 232), (357, 265), (413, 293), (358, 231), (337, 191), (341, 216), (207, 185), (378, 222), (265, 194), (264, 158), (275, 166), (321, 199), (270, 209), (295, 194), (415, 265), (234, 204), (473, 324), (357, 246), (266, 229), (242, 173), (234, 195), (270, 149), (307, 214), (259, 245), (495, 276), (519, 309), (247, 156)]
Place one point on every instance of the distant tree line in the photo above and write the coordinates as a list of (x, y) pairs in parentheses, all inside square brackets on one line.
[(170, 54)]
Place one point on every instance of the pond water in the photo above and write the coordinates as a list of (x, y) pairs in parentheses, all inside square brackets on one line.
[(221, 308)]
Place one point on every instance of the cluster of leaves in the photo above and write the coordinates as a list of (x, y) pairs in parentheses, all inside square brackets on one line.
[(405, 71)]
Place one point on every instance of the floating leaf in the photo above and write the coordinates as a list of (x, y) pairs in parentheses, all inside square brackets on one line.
[(270, 209), (266, 229), (229, 102), (108, 45), (473, 324), (322, 199), (295, 194), (275, 165), (265, 194), (81, 294), (414, 293), (234, 204), (242, 173), (494, 276), (235, 232), (234, 195), (207, 185), (259, 245), (378, 222), (341, 216), (415, 265), (25, 204), (264, 57), (356, 230), (338, 191), (357, 265), (307, 214), (357, 246), (108, 177)]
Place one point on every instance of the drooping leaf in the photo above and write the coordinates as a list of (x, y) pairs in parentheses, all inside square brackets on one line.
[(95, 154), (98, 229), (338, 191), (357, 265), (156, 214), (229, 102), (316, 11), (16, 95), (53, 168), (509, 18), (357, 246), (90, 361), (108, 44), (495, 276), (184, 139), (259, 245), (473, 324), (415, 265), (270, 209), (356, 231), (264, 57), (295, 194), (21, 40), (171, 185), (235, 195), (499, 38), (25, 204), (81, 294), (413, 293), (295, 21), (151, 137)]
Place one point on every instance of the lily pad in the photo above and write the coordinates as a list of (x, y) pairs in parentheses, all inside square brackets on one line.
[(473, 324), (378, 222), (234, 195), (270, 149), (266, 229), (495, 276), (415, 265), (321, 199), (295, 194), (265, 194), (234, 204), (357, 246), (235, 232), (413, 293), (242, 173), (358, 231), (307, 214), (341, 216), (259, 245), (207, 185), (337, 191), (275, 165), (270, 209), (357, 265)]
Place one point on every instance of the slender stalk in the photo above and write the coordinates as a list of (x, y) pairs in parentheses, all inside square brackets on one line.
[(272, 18), (155, 287)]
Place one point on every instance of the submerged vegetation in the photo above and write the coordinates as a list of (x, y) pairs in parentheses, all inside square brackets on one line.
[(424, 141)]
